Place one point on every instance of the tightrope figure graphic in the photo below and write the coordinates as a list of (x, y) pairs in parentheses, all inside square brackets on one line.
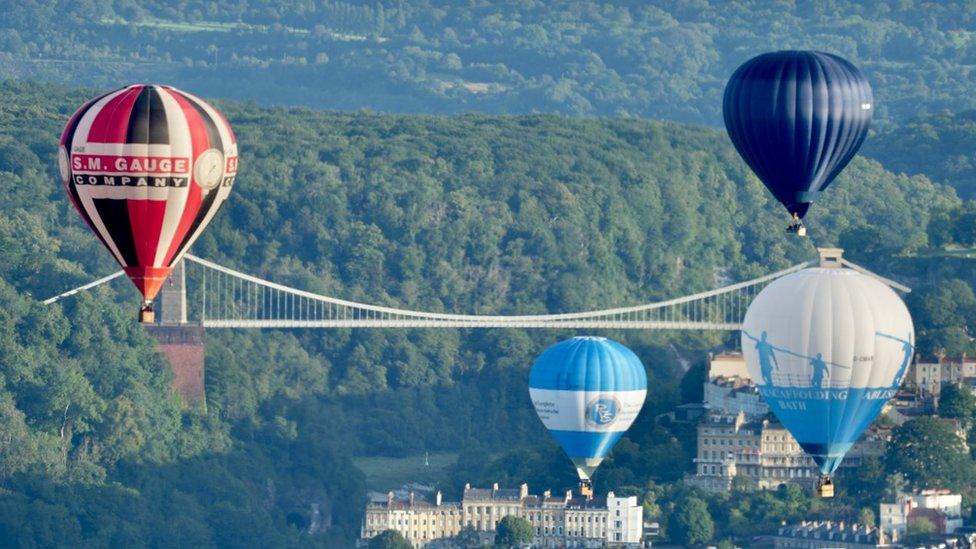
[(908, 349), (819, 371), (767, 358)]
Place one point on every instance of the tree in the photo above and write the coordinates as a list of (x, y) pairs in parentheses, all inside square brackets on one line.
[(866, 517), (930, 455), (468, 538), (690, 523), (919, 529), (389, 539), (957, 402), (513, 531), (692, 383)]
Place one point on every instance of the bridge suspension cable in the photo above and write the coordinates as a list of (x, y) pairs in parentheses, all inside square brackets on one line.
[(231, 299)]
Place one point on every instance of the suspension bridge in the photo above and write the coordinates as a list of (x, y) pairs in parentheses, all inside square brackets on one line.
[(232, 299)]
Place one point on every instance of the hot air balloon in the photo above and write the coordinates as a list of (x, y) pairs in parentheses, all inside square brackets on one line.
[(827, 347), (147, 167), (587, 391), (797, 118)]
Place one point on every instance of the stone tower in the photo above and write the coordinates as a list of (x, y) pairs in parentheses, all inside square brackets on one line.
[(181, 342)]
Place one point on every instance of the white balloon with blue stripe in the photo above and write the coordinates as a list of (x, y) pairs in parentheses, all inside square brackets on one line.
[(827, 348), (587, 392)]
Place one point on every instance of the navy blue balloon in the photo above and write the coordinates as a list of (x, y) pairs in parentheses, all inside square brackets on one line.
[(797, 118)]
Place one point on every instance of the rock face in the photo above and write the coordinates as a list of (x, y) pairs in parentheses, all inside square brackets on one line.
[(183, 347)]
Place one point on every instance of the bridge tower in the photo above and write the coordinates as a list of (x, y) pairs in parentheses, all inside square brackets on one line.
[(180, 341)]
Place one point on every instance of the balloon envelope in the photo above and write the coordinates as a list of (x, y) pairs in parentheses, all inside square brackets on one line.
[(797, 118), (147, 167), (587, 392), (827, 348)]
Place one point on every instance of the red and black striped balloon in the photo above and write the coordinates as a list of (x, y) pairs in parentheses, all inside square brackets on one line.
[(147, 167)]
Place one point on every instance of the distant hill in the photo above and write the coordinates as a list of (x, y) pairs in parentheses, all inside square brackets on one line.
[(941, 147), (658, 59)]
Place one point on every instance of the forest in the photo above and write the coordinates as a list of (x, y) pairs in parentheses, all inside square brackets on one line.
[(476, 213), (657, 59)]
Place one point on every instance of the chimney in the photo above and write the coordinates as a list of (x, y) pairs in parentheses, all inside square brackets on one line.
[(523, 491), (494, 486), (389, 498), (547, 494), (412, 499), (610, 494), (569, 495), (438, 498)]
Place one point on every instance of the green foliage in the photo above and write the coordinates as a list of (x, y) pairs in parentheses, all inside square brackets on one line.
[(867, 517), (468, 538), (920, 529), (938, 146), (513, 531), (945, 313), (657, 59), (929, 454), (958, 402), (690, 523), (389, 539), (476, 213)]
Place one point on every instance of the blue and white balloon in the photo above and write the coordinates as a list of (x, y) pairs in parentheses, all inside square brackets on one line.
[(827, 348), (587, 392)]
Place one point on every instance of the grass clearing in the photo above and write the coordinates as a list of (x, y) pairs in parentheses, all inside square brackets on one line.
[(387, 473)]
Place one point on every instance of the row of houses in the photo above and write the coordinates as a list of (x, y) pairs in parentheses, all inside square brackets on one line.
[(557, 521)]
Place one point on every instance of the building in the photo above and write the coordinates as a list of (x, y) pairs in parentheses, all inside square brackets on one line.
[(728, 364), (733, 395), (762, 453), (940, 507), (930, 374), (558, 521), (730, 388), (828, 534)]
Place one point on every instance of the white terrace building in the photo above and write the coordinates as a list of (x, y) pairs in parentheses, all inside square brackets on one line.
[(557, 521), (762, 453)]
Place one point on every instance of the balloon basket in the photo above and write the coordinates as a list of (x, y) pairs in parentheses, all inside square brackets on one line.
[(586, 489), (825, 487), (147, 315), (797, 228)]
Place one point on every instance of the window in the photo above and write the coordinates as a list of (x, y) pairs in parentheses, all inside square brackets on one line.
[(617, 524)]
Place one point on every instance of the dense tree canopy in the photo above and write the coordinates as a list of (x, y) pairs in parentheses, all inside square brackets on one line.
[(930, 454), (475, 213), (939, 146), (660, 59), (691, 524), (513, 531), (389, 539)]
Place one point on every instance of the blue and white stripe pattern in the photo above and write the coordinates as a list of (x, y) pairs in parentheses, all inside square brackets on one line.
[(827, 348), (587, 392)]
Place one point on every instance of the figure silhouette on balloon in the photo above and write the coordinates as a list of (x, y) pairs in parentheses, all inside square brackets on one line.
[(819, 366)]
